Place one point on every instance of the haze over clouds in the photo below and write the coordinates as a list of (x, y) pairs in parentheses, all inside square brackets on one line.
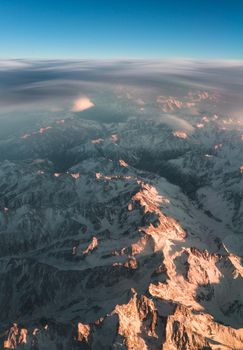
[(55, 84)]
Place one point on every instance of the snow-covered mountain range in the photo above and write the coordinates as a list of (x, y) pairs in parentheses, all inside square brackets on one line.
[(124, 235)]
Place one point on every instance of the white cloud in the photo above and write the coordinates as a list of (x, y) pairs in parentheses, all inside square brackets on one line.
[(81, 104), (11, 64)]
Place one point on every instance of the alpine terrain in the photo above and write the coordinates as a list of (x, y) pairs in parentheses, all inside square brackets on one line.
[(121, 217)]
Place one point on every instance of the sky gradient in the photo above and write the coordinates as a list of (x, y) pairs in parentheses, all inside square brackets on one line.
[(209, 29)]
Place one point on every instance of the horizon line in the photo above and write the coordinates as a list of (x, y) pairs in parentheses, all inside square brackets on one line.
[(173, 58)]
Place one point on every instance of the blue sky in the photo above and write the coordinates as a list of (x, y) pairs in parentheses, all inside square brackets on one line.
[(209, 29)]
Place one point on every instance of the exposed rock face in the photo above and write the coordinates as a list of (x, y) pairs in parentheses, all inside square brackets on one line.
[(186, 329), (93, 244), (130, 325), (137, 322), (131, 241), (83, 333)]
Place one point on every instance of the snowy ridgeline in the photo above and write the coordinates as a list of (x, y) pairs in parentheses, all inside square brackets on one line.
[(122, 236)]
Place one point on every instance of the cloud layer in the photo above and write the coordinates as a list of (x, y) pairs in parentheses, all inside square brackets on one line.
[(54, 85)]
